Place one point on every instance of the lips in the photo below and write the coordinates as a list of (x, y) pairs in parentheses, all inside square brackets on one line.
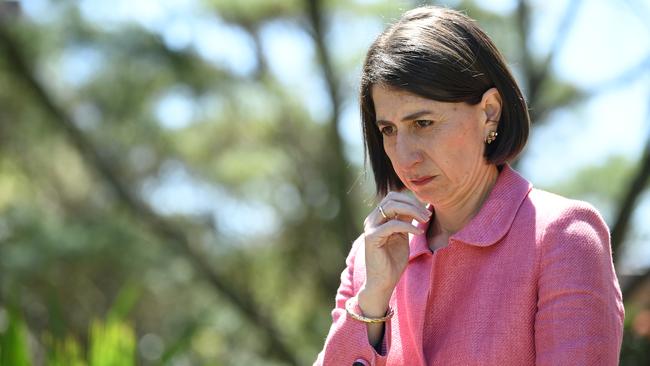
[(421, 180)]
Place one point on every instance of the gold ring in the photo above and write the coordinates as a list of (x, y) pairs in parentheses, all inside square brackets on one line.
[(381, 211)]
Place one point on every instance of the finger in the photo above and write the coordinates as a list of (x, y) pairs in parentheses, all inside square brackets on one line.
[(403, 211), (406, 199), (381, 233), (403, 197)]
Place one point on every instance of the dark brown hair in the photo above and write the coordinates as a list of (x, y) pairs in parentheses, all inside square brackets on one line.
[(440, 54)]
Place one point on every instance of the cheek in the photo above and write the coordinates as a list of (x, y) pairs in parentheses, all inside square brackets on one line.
[(459, 150), (390, 152), (469, 137), (389, 148), (449, 144)]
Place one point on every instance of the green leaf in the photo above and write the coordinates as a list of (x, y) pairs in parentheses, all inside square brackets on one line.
[(124, 302), (13, 342), (111, 344)]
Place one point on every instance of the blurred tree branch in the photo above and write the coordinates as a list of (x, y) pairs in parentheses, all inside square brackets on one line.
[(9, 10), (292, 140), (630, 75), (340, 179), (560, 37), (637, 186), (535, 75), (262, 65), (634, 284), (158, 225)]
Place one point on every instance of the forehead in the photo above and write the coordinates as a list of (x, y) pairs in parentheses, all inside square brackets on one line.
[(392, 103), (382, 95)]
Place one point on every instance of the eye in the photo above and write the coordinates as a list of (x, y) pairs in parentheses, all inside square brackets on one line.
[(423, 123), (387, 130)]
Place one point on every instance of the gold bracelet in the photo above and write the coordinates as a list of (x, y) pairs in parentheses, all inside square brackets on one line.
[(361, 318)]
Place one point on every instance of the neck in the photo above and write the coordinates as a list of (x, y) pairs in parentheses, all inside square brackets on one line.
[(454, 215)]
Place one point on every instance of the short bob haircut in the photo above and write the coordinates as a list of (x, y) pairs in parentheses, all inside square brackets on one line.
[(440, 54)]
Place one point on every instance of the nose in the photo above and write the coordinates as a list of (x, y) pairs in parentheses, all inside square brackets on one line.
[(407, 151)]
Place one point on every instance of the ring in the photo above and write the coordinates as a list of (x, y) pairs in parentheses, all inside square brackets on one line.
[(381, 211)]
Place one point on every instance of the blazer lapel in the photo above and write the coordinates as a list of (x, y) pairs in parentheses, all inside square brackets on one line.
[(412, 293)]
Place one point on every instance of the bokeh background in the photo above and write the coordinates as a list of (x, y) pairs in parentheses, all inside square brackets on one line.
[(181, 180)]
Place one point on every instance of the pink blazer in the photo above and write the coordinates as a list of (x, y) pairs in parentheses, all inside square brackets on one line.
[(528, 281)]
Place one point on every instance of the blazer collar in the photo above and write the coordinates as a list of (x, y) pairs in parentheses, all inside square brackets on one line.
[(493, 220)]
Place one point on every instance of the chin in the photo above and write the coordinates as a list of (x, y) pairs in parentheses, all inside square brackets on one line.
[(427, 196)]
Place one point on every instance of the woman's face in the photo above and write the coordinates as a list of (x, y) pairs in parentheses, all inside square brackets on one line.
[(436, 148)]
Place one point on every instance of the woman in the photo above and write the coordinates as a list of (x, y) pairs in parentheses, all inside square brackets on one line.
[(491, 271)]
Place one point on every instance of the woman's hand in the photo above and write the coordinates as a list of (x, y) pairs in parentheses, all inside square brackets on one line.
[(386, 240), (386, 232)]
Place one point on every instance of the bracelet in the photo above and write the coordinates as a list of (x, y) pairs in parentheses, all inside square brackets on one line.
[(361, 318)]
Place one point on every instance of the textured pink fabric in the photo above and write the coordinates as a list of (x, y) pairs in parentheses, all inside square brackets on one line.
[(529, 280)]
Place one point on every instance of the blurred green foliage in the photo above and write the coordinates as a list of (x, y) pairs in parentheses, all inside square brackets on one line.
[(636, 348), (111, 343), (251, 185), (13, 341)]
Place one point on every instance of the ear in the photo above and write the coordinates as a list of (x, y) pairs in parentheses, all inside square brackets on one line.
[(491, 106)]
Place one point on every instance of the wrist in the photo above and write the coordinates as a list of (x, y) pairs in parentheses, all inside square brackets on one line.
[(373, 302), (377, 291)]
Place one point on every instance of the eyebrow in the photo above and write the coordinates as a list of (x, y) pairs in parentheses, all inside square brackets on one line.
[(409, 117)]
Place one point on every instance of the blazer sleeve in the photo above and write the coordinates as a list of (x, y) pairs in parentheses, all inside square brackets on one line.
[(347, 341), (579, 319)]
